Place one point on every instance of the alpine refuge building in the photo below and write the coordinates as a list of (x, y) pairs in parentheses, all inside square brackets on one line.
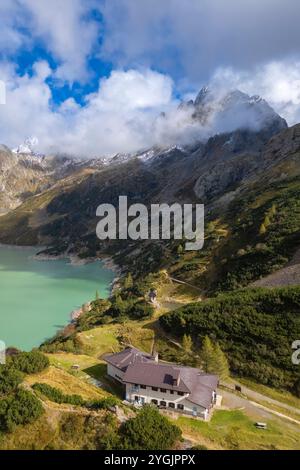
[(146, 380)]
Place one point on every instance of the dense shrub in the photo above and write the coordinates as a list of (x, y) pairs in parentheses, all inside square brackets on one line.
[(22, 408), (71, 344), (140, 288), (236, 251), (254, 327), (96, 316), (120, 305), (54, 394), (89, 432), (267, 231), (297, 388), (132, 307), (30, 362), (141, 310), (149, 430), (10, 378), (104, 404)]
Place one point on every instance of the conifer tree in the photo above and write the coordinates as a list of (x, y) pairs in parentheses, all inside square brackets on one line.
[(128, 282), (213, 359), (262, 229), (207, 355), (273, 209), (220, 363), (267, 221), (187, 343)]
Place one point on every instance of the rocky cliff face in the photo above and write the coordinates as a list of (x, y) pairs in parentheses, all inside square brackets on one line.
[(26, 174), (21, 176)]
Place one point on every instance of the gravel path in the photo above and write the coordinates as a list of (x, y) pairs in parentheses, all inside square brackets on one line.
[(254, 409), (256, 396)]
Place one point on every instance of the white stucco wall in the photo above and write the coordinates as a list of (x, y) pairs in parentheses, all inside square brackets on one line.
[(114, 372), (192, 408), (147, 395)]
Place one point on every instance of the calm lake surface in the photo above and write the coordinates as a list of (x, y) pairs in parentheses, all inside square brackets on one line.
[(37, 297)]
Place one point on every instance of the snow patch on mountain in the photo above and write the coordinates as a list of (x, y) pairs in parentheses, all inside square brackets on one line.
[(28, 147), (226, 111)]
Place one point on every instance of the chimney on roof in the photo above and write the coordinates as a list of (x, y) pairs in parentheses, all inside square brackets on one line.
[(176, 381)]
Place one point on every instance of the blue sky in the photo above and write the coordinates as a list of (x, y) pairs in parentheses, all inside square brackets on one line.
[(34, 46), (91, 76)]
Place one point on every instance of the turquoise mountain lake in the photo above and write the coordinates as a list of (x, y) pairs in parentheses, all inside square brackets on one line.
[(37, 297)]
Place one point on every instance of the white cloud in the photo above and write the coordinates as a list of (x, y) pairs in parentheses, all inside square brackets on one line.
[(117, 118), (193, 37), (11, 38), (66, 31), (134, 90), (27, 106), (277, 82), (124, 115), (64, 27)]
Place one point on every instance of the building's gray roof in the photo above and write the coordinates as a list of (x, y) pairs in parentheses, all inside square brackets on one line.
[(201, 385), (142, 369), (128, 356), (155, 375)]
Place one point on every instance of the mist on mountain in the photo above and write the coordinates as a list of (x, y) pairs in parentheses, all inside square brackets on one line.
[(214, 111)]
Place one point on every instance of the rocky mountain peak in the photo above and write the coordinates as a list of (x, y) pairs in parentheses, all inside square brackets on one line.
[(28, 147), (203, 95), (227, 111)]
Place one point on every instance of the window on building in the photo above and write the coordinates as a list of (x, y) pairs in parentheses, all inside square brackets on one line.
[(155, 402), (172, 392), (136, 398), (155, 389), (163, 390), (163, 403), (180, 407), (143, 386), (180, 393), (171, 405)]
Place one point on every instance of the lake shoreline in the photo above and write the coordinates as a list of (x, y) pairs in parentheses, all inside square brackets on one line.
[(74, 259), (52, 306)]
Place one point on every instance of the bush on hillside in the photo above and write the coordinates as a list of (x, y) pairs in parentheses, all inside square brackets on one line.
[(30, 362), (141, 310), (10, 378), (149, 430), (254, 327), (71, 344), (22, 408), (104, 403), (95, 317), (55, 395), (273, 224)]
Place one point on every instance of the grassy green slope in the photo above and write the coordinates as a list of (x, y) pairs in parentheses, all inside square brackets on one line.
[(257, 235)]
